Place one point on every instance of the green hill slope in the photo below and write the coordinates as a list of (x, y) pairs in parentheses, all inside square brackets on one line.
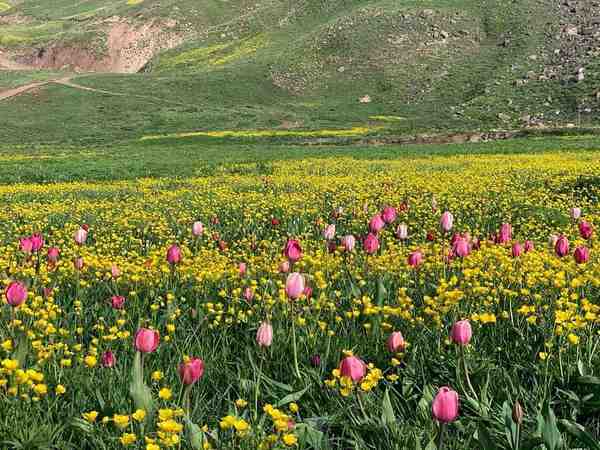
[(388, 66)]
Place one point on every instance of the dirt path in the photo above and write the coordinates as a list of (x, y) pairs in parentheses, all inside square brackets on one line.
[(21, 89)]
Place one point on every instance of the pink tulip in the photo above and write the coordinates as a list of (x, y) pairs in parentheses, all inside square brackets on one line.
[(348, 242), (575, 213), (376, 224), (292, 250), (307, 291), (115, 271), (388, 214), (505, 233), (37, 242), (81, 236), (117, 301), (78, 263), (108, 359), (53, 254), (517, 250), (284, 267), (528, 246), (191, 371), (415, 258), (197, 229), (242, 268), (461, 248), (329, 232), (461, 332), (562, 246), (446, 221), (248, 294), (371, 244), (353, 368), (585, 229), (15, 293), (264, 335), (146, 340), (294, 285), (25, 245), (395, 342), (402, 232), (445, 405), (174, 254), (582, 255)]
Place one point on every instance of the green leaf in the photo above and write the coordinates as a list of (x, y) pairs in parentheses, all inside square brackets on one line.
[(588, 379), (550, 433), (195, 434), (388, 418), (580, 433), (293, 397), (484, 438), (140, 393), (310, 436)]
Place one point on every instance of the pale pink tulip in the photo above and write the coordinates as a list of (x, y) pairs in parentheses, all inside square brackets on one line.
[(294, 285), (395, 342), (446, 221), (402, 232), (445, 405), (461, 332), (80, 236), (197, 229)]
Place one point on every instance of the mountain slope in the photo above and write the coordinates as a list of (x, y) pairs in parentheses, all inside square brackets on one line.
[(391, 66)]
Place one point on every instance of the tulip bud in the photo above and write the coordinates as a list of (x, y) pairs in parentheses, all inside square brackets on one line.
[(505, 233), (581, 255), (585, 229), (197, 229), (191, 371), (173, 254), (353, 368), (430, 236), (284, 267), (37, 242), (517, 250), (15, 293), (315, 360), (80, 236), (517, 413), (146, 340), (115, 271), (575, 213), (294, 285), (274, 221), (108, 359), (562, 246), (348, 242), (528, 246), (371, 244), (329, 232), (117, 301), (242, 268), (395, 342), (402, 232), (446, 221), (461, 332), (78, 263), (264, 335), (292, 250), (376, 224), (415, 258), (53, 254), (248, 294), (388, 214), (445, 405)]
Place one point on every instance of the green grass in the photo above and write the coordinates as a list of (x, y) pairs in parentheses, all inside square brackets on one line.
[(11, 79), (205, 157)]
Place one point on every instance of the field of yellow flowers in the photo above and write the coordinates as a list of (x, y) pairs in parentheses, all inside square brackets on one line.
[(445, 301)]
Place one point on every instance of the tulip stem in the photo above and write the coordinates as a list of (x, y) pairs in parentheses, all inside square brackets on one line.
[(440, 438), (295, 348), (257, 387), (464, 361)]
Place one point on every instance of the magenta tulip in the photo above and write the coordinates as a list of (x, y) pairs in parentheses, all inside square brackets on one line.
[(461, 248), (517, 250), (562, 246), (37, 242), (292, 250), (395, 342), (264, 335), (191, 371), (53, 254), (376, 224), (25, 245), (585, 229), (146, 340), (294, 285), (80, 236), (505, 233), (446, 221), (388, 214), (117, 301), (15, 293), (445, 405), (371, 244), (528, 246), (415, 258), (461, 332), (582, 255), (108, 359), (353, 368), (174, 254)]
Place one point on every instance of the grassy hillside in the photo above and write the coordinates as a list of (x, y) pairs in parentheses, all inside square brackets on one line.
[(418, 66)]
